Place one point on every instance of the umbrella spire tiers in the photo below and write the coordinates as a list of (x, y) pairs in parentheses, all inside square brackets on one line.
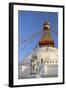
[(46, 39)]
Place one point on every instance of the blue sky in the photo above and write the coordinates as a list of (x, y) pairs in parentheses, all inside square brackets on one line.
[(31, 22)]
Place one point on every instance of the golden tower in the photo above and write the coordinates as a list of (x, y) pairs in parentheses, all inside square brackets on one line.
[(46, 39)]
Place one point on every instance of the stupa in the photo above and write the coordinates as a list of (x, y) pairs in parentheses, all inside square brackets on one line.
[(43, 61)]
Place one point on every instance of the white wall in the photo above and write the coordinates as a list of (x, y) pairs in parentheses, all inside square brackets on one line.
[(4, 44)]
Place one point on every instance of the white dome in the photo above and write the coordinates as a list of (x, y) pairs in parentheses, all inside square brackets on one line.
[(49, 55), (48, 63)]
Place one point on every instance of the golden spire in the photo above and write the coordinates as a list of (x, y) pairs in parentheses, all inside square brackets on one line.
[(46, 39)]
